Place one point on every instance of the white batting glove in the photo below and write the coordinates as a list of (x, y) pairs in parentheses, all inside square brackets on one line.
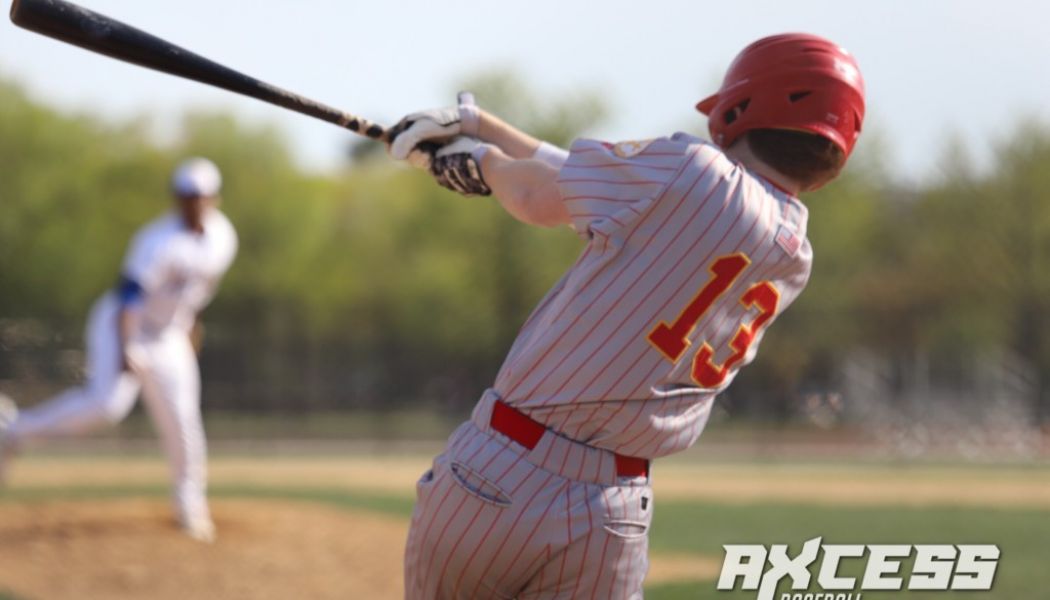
[(437, 125), (457, 166)]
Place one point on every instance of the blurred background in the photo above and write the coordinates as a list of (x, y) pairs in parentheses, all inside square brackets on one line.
[(369, 291), (368, 309)]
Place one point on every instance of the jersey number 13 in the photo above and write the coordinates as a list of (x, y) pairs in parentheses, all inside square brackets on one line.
[(672, 339)]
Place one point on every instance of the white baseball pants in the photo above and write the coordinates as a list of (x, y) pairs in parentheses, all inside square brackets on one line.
[(496, 520), (167, 372)]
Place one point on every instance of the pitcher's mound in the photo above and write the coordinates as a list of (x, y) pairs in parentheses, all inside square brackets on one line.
[(131, 549)]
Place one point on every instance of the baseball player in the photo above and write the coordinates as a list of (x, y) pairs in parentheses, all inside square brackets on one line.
[(139, 337), (692, 249)]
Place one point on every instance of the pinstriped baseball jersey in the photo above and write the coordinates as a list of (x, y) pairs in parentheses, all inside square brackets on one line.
[(689, 258)]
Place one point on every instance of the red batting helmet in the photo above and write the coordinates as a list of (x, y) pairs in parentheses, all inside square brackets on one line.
[(789, 81)]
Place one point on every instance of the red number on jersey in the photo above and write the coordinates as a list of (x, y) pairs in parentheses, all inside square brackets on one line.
[(673, 340), (763, 295)]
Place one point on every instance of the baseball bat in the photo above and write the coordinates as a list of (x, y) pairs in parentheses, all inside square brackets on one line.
[(92, 31)]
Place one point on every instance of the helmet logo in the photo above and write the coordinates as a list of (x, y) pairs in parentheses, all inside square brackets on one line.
[(849, 72)]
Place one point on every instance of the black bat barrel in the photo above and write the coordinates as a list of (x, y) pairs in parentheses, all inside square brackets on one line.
[(92, 31)]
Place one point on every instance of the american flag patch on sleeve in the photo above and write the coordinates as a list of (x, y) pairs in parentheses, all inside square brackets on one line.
[(788, 240)]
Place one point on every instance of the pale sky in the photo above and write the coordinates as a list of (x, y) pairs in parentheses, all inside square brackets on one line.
[(933, 68)]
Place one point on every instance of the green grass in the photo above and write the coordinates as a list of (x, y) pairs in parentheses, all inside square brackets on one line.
[(398, 506), (703, 527)]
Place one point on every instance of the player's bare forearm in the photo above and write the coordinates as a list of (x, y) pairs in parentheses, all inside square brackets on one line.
[(197, 334), (526, 188), (514, 142), (125, 325)]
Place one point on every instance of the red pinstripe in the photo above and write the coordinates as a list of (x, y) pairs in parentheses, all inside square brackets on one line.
[(467, 530), (568, 538), (433, 515), (701, 265), (677, 438), (488, 532), (590, 532), (551, 296), (621, 165), (601, 566), (670, 271), (631, 569), (550, 448), (612, 181), (543, 570), (658, 362), (539, 557), (452, 519), (564, 461), (452, 552), (426, 534), (451, 485), (623, 546), (524, 544), (565, 332), (554, 345), (602, 198), (655, 261), (659, 359), (579, 473), (701, 325)]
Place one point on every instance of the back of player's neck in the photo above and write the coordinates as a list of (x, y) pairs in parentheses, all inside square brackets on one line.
[(742, 153), (195, 228)]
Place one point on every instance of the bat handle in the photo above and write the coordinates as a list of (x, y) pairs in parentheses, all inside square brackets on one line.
[(367, 128)]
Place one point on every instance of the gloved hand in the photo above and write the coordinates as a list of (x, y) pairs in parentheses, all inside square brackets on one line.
[(457, 166), (437, 125)]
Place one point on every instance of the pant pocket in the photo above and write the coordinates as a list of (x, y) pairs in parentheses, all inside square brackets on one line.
[(426, 481), (478, 485), (626, 529), (629, 511)]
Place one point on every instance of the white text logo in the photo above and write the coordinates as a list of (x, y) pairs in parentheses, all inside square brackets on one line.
[(936, 567)]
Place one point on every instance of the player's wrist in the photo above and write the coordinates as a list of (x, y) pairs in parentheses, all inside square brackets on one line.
[(551, 155), (481, 151), (470, 117)]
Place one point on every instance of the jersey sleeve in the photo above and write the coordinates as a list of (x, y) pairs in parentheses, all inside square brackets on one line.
[(144, 263), (603, 184), (219, 260)]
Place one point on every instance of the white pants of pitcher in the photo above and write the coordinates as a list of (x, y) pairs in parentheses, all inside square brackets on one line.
[(166, 371)]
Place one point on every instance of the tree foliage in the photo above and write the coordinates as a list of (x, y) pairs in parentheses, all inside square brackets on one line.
[(372, 286)]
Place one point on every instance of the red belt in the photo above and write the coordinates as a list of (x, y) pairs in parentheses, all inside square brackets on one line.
[(522, 429)]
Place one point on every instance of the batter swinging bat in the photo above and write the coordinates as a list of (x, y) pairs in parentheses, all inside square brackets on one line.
[(81, 27)]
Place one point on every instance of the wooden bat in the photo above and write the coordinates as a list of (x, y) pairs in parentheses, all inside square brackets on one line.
[(79, 26)]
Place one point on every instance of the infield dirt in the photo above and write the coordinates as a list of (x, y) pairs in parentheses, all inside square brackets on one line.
[(130, 549)]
